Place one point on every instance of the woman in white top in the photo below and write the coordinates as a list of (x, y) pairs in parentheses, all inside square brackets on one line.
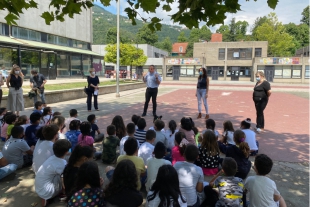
[(250, 136), (165, 191)]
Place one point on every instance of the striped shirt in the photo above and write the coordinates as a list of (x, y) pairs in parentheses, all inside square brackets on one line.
[(140, 136)]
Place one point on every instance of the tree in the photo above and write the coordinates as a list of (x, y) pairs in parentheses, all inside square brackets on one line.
[(125, 37), (182, 37), (305, 16), (280, 43), (224, 30), (190, 13), (146, 36), (197, 35), (258, 22), (300, 34), (165, 45)]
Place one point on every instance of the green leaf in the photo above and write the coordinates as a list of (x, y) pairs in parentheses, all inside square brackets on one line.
[(130, 3), (272, 3), (10, 19), (155, 20), (149, 5), (105, 2), (166, 7), (48, 17), (89, 4)]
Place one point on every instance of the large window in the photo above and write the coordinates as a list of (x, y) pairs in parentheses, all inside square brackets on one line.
[(63, 64), (30, 61), (285, 71), (219, 68), (240, 70), (8, 57), (221, 53), (76, 68), (258, 52), (307, 72), (97, 65), (4, 29), (86, 64), (187, 70), (239, 53), (169, 70)]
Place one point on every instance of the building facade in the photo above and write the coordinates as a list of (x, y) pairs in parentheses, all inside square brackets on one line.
[(62, 49)]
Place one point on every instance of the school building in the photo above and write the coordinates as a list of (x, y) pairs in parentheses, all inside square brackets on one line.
[(62, 49)]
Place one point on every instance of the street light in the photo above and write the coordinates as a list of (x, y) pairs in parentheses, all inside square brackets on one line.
[(117, 51)]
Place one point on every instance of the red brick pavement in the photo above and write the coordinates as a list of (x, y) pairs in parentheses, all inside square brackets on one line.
[(286, 118)]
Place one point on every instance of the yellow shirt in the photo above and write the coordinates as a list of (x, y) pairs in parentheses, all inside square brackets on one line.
[(139, 163)]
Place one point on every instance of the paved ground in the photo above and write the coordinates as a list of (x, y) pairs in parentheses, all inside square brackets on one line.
[(286, 139)]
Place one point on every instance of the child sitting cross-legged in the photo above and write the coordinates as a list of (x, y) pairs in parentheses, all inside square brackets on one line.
[(74, 132), (178, 150), (48, 182), (147, 148), (230, 187), (130, 129), (140, 132), (109, 145), (160, 136), (94, 128), (10, 120)]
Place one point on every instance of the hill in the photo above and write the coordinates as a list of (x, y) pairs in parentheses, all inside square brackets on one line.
[(104, 20)]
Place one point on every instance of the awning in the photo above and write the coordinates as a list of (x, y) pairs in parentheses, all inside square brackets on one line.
[(42, 45)]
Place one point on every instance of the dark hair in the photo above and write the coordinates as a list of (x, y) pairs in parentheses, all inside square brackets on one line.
[(11, 118), (61, 147), (34, 71), (6, 115), (135, 118), (263, 164), (229, 166), (131, 128), (228, 126), (191, 152), (141, 123), (85, 128), (37, 104), (118, 122), (73, 112), (2, 110), (124, 176), (159, 124), (17, 131), (195, 130), (46, 110), (178, 138), (186, 123), (150, 134), (209, 142), (58, 120), (210, 124), (39, 134), (157, 118), (239, 139), (91, 117), (21, 120), (49, 131), (74, 125), (56, 113), (172, 126), (130, 146), (204, 75), (88, 174), (160, 150), (167, 187), (111, 130), (246, 123)]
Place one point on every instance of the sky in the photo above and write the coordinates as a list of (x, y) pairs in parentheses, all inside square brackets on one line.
[(286, 10)]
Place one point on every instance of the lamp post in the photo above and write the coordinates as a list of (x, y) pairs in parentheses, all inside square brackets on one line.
[(117, 51)]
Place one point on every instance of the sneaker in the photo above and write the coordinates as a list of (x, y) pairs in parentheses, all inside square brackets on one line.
[(143, 115), (258, 130)]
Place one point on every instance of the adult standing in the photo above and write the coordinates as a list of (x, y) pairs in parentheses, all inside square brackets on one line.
[(202, 91), (152, 80), (15, 97), (37, 82), (93, 88), (261, 94)]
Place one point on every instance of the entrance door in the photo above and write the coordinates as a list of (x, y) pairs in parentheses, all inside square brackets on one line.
[(176, 72), (139, 72), (235, 73), (48, 65), (269, 73), (215, 73)]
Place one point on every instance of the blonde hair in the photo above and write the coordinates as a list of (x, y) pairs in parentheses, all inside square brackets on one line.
[(13, 69), (261, 74), (91, 70)]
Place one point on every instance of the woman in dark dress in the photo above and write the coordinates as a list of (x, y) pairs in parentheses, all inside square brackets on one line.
[(93, 87), (261, 94)]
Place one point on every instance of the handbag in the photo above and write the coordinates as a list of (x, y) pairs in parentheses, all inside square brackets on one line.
[(86, 90)]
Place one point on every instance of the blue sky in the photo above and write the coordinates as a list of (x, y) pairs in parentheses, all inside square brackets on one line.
[(286, 10)]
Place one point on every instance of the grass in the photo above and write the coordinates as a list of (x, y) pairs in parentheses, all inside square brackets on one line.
[(62, 86), (301, 94)]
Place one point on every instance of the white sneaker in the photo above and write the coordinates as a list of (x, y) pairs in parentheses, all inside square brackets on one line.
[(258, 130)]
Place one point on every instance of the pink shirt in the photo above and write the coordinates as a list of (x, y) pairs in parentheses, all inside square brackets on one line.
[(4, 130), (176, 155), (87, 140), (190, 136)]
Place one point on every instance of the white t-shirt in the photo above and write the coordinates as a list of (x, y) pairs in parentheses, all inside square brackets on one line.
[(41, 153), (121, 145), (13, 150), (46, 119), (61, 136), (170, 137), (155, 202), (230, 137), (189, 175), (160, 137), (250, 138), (146, 151), (48, 180), (261, 189), (152, 128), (153, 164)]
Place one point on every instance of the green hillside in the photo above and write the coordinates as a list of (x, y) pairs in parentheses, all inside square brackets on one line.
[(104, 20)]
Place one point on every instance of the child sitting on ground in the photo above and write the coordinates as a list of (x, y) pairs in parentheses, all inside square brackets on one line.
[(47, 116), (230, 187), (135, 118), (38, 107), (209, 153), (130, 128), (170, 133), (30, 133), (48, 182), (44, 149), (3, 124), (94, 128), (154, 119), (250, 136), (119, 124), (73, 134), (227, 137), (10, 120), (73, 116), (16, 149), (22, 121), (60, 122), (6, 168), (177, 152), (190, 175), (109, 145), (263, 191), (240, 152), (160, 136), (154, 163), (140, 132), (186, 128), (147, 148)]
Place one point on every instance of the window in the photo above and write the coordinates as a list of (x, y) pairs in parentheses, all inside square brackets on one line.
[(169, 69), (258, 52), (180, 49), (218, 70), (307, 72), (30, 61), (221, 53), (187, 70), (156, 54), (34, 35), (296, 72), (63, 62), (51, 39), (43, 37), (245, 71), (239, 53), (4, 29), (63, 41)]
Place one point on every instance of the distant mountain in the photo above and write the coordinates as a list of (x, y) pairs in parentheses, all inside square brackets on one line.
[(104, 20)]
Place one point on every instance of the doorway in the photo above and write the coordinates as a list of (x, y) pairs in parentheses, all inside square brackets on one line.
[(176, 72), (269, 73), (215, 73), (235, 73), (48, 65)]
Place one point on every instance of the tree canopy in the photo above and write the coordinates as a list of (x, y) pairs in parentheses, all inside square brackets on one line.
[(146, 36), (190, 12), (305, 16)]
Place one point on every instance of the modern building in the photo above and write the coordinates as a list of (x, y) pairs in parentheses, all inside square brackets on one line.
[(62, 49), (302, 52), (179, 49)]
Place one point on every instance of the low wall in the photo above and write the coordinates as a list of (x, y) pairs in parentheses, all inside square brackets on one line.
[(72, 94)]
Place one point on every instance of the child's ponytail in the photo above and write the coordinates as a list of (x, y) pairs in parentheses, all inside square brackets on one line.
[(239, 139), (244, 147)]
